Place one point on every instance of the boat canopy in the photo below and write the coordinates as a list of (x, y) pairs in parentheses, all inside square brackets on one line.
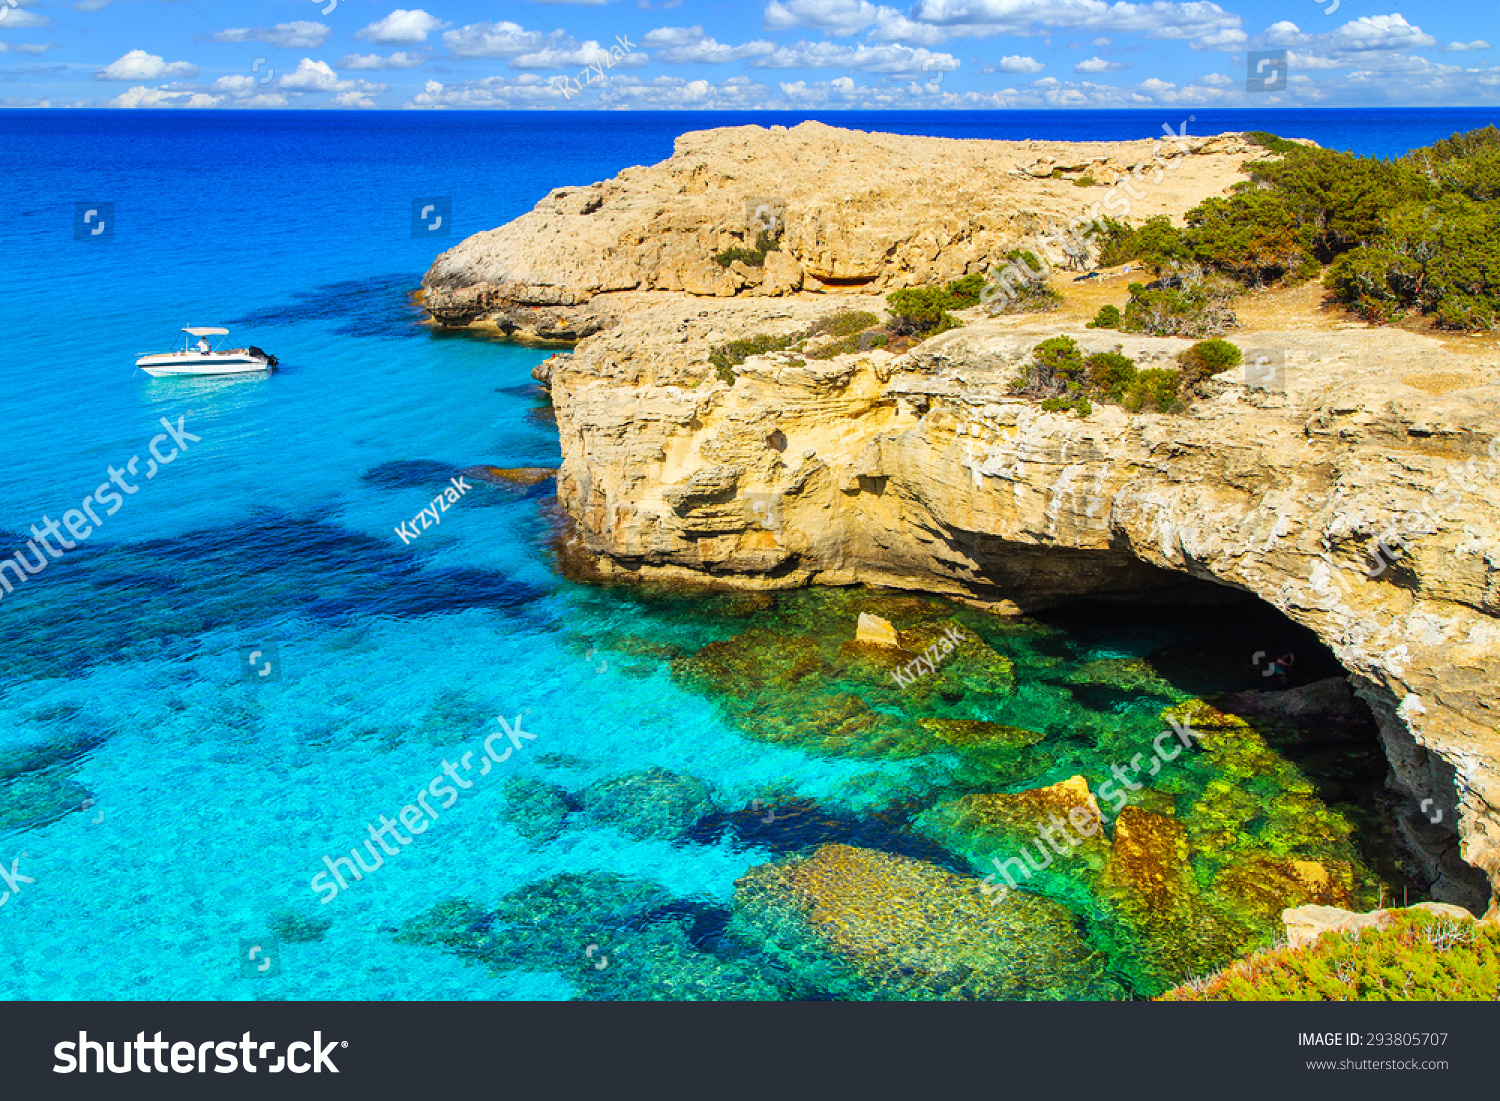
[(206, 332)]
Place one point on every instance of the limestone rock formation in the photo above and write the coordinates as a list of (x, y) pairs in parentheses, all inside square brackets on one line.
[(875, 631), (855, 213), (920, 471)]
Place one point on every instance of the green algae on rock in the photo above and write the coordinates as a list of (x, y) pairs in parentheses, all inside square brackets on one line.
[(803, 679), (651, 803), (874, 926), (615, 938), (536, 809), (1198, 867), (297, 926)]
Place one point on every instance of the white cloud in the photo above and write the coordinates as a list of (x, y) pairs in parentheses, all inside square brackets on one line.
[(310, 76), (837, 17), (1297, 61), (869, 59), (140, 96), (27, 47), (1375, 32), (1099, 65), (1014, 63), (401, 28), (398, 60), (317, 76), (1231, 39), (1393, 81), (1459, 47), (1368, 32), (527, 90), (571, 54), (502, 39), (235, 85), (240, 87), (1282, 33), (139, 65), (1155, 19), (689, 46), (17, 18), (353, 99), (299, 35)]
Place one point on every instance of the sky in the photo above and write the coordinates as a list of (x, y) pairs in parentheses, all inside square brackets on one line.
[(776, 54)]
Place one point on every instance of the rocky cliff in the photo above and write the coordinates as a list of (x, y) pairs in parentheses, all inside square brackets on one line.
[(855, 213), (919, 471)]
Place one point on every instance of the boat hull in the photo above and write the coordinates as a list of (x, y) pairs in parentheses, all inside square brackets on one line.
[(176, 363)]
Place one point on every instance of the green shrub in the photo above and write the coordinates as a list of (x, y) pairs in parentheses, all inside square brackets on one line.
[(1063, 378), (765, 243), (850, 328), (1418, 233), (855, 342), (1056, 361), (1189, 305), (1085, 181), (1110, 375), (1270, 141), (1076, 402), (923, 311), (1441, 259), (1028, 295), (726, 357), (1154, 390), (1030, 298), (1108, 317), (843, 323), (1157, 243), (1206, 358), (964, 292), (1418, 957)]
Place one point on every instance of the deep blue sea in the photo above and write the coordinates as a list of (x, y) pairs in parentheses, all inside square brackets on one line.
[(163, 805)]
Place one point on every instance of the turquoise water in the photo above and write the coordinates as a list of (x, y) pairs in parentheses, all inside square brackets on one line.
[(164, 805)]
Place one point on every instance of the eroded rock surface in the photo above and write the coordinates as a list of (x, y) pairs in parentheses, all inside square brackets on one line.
[(919, 471), (856, 213)]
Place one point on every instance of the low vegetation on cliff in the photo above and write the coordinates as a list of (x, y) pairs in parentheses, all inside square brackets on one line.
[(924, 311), (1062, 377), (1416, 234), (765, 244), (1417, 958), (836, 334)]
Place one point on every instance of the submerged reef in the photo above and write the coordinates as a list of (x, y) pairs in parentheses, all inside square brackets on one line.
[(1044, 814)]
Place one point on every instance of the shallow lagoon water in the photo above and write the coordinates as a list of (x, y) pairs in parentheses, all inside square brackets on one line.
[(166, 806)]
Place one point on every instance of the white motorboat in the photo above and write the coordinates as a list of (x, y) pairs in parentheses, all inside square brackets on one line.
[(205, 358)]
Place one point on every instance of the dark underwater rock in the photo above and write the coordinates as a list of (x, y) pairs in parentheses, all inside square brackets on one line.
[(1322, 701), (616, 938), (297, 927), (409, 474), (536, 809), (652, 803)]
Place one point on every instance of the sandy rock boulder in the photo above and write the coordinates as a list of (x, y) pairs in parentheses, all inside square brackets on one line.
[(875, 631)]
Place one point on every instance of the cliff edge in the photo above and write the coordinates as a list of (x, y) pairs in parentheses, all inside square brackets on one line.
[(919, 470)]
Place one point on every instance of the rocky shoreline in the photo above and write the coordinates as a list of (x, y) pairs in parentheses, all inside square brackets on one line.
[(919, 471)]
